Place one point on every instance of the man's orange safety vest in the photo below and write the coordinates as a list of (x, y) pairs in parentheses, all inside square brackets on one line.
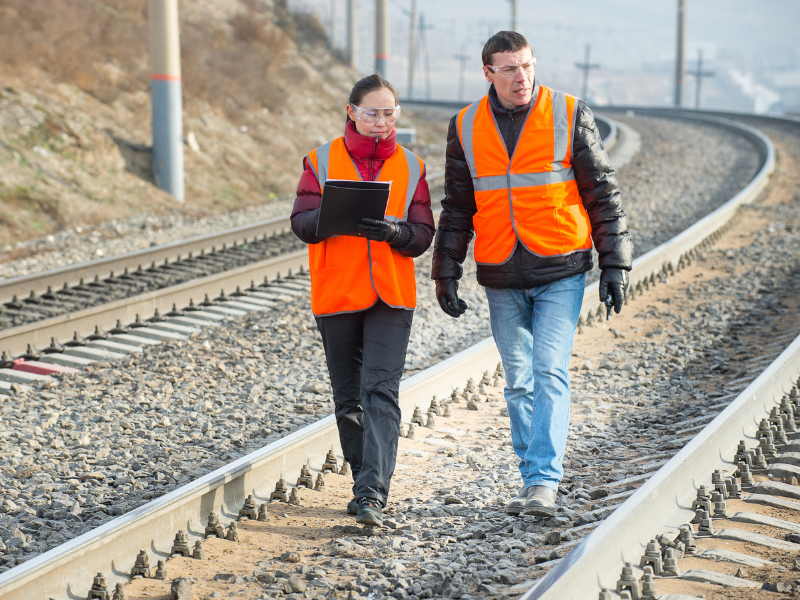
[(348, 273), (533, 197)]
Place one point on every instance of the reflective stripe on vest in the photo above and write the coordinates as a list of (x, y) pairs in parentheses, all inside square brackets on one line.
[(349, 274), (532, 197)]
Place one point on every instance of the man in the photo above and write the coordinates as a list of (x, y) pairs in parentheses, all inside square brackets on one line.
[(527, 173)]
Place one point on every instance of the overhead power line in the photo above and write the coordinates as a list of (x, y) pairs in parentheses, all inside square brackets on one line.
[(699, 74)]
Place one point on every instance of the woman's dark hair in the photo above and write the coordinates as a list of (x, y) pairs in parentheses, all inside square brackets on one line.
[(371, 83), (503, 41)]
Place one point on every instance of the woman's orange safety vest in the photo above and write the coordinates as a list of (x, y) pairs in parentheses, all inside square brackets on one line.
[(533, 197), (350, 273)]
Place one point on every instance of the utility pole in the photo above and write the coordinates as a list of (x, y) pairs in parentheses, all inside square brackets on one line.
[(679, 67), (423, 28), (514, 22), (699, 74), (352, 34), (165, 90), (586, 66), (412, 54), (382, 37), (462, 58)]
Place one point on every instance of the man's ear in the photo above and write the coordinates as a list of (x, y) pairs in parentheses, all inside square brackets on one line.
[(487, 74)]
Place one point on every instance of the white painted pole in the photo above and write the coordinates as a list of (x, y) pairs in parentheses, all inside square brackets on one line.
[(514, 22), (680, 69), (412, 55), (352, 34), (165, 86), (382, 37)]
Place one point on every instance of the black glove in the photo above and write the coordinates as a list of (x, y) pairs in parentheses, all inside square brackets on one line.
[(447, 295), (614, 283), (378, 231)]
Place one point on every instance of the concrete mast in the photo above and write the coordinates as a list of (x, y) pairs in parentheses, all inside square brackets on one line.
[(514, 21), (680, 69), (382, 37), (412, 55), (165, 86), (352, 34)]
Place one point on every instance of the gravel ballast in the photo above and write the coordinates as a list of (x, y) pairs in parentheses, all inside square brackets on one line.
[(99, 443), (644, 383)]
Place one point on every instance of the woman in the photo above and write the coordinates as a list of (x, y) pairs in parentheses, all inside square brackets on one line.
[(363, 290)]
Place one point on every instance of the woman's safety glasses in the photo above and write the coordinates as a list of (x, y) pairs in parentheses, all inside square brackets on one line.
[(371, 115), (512, 70)]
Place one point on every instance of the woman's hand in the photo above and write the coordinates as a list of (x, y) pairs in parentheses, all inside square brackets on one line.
[(378, 231)]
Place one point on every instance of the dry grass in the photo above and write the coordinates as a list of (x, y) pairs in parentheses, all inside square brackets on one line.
[(101, 47), (260, 90), (25, 212)]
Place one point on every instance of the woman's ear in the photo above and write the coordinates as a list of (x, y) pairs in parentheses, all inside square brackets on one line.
[(350, 112)]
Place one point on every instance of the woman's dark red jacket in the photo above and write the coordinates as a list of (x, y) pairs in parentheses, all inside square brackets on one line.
[(368, 154)]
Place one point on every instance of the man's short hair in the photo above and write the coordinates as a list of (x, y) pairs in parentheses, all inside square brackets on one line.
[(503, 41)]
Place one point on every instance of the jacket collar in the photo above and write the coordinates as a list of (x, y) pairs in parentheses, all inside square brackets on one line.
[(498, 108), (363, 146)]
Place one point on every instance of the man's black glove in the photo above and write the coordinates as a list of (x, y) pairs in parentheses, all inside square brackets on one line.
[(447, 295), (614, 283), (378, 231)]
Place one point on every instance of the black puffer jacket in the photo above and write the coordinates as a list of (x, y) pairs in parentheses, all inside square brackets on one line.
[(597, 186)]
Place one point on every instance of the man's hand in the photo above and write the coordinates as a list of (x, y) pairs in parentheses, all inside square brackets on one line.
[(447, 295), (614, 283), (378, 231)]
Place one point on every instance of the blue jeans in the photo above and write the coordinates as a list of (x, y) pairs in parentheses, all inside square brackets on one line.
[(534, 330)]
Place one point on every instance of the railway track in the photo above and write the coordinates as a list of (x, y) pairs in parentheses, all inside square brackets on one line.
[(154, 525), (44, 310), (71, 303)]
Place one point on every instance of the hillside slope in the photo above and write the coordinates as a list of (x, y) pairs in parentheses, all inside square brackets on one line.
[(261, 88)]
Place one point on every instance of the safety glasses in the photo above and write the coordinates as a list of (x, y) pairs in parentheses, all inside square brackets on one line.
[(372, 115), (512, 70)]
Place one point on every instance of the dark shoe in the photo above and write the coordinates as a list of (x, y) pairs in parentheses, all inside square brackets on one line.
[(541, 502), (352, 507), (369, 513), (517, 504)]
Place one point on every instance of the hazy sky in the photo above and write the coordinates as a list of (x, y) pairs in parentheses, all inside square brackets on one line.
[(743, 41)]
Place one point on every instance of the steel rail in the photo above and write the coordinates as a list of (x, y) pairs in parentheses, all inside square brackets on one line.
[(67, 571), (72, 274), (62, 327), (664, 501), (666, 258), (608, 131)]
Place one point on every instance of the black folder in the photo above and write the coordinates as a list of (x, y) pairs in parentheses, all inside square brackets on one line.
[(345, 203)]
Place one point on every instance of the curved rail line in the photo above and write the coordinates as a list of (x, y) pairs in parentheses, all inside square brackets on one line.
[(67, 571)]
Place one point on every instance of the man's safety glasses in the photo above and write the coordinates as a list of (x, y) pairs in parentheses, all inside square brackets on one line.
[(371, 115), (512, 70)]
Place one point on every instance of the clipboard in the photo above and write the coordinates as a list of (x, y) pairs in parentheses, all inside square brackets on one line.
[(344, 203)]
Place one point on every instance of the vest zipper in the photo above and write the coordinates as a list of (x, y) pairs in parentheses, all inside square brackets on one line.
[(511, 137), (372, 160), (517, 248)]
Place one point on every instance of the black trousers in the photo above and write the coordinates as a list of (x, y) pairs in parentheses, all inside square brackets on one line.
[(366, 352)]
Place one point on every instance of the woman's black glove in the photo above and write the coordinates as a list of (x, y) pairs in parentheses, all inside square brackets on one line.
[(614, 283), (447, 295), (378, 231)]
